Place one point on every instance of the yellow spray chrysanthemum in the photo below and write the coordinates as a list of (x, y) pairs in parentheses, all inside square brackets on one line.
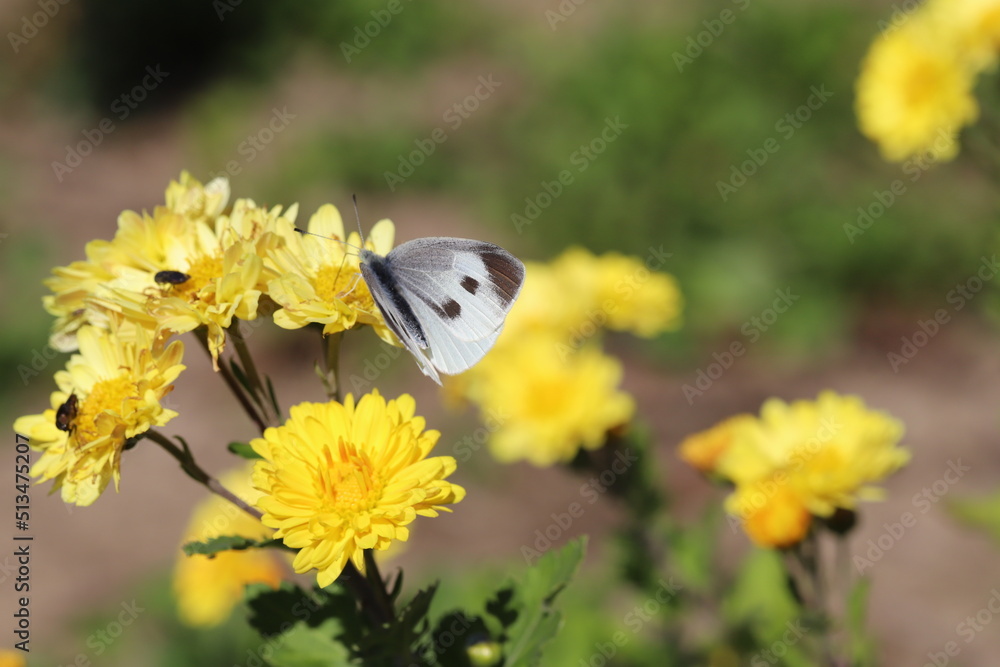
[(772, 513), (114, 387), (197, 202), (702, 450), (915, 90), (546, 389), (804, 459), (319, 279), (341, 478), (544, 406), (206, 588), (223, 263), (139, 249), (580, 294)]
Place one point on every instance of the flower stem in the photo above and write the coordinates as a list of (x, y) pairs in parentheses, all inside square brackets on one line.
[(253, 377), (195, 472), (331, 381), (233, 385)]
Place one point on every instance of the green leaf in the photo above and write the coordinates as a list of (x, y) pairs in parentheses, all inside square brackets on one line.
[(243, 449), (982, 513), (762, 603), (274, 396), (404, 636), (537, 621), (274, 611), (305, 646), (227, 543)]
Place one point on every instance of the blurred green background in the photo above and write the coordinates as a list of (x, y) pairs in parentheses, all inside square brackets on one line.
[(296, 103)]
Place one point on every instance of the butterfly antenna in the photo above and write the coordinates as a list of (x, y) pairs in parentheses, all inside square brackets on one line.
[(328, 238), (357, 216)]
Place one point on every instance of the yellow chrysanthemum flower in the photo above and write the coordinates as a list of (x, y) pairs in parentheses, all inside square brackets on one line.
[(772, 514), (319, 278), (915, 90), (341, 478), (702, 450), (139, 250), (580, 294), (12, 658), (225, 273), (110, 392), (197, 202), (206, 588), (799, 460), (544, 406)]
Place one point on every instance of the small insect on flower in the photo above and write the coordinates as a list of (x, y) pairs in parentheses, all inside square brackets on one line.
[(67, 413), (171, 277)]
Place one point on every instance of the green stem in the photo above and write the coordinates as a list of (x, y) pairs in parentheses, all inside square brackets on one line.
[(253, 377), (332, 358), (233, 385), (195, 472)]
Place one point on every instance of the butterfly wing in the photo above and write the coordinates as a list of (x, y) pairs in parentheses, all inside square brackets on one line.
[(444, 298), (398, 316), (468, 286)]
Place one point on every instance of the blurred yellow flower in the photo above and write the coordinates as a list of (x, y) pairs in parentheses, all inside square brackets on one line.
[(544, 406), (546, 389), (579, 294), (341, 478), (915, 90), (110, 392), (702, 450), (206, 588), (772, 514), (12, 658), (799, 460), (319, 279)]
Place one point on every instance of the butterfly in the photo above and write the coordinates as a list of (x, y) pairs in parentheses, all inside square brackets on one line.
[(445, 298)]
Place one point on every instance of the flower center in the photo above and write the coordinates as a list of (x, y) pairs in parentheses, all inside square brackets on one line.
[(348, 481), (341, 282), (117, 395), (203, 270)]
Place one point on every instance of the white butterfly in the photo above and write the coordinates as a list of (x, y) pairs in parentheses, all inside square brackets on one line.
[(444, 298)]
